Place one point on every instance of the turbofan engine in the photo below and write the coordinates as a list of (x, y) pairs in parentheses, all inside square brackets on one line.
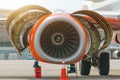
[(54, 38), (58, 37)]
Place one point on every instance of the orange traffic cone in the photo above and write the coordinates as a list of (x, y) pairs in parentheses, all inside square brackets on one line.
[(63, 75)]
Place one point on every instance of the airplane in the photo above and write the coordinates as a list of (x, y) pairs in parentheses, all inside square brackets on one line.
[(60, 38)]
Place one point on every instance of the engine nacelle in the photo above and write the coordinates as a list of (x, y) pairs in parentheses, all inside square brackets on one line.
[(54, 38), (59, 37)]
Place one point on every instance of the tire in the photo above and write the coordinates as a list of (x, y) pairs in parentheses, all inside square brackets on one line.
[(104, 64), (85, 67)]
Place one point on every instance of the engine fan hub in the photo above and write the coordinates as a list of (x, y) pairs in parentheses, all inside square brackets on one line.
[(58, 39)]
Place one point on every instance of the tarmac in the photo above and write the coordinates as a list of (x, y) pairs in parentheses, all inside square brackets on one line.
[(23, 70)]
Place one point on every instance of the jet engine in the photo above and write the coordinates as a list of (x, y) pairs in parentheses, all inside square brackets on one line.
[(54, 38), (58, 37)]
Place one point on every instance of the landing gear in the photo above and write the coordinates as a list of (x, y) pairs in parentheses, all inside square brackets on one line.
[(104, 63), (85, 67)]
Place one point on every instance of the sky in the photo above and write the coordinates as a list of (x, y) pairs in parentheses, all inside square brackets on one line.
[(49, 4)]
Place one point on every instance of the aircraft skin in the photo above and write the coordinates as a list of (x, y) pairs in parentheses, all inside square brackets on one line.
[(114, 22)]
